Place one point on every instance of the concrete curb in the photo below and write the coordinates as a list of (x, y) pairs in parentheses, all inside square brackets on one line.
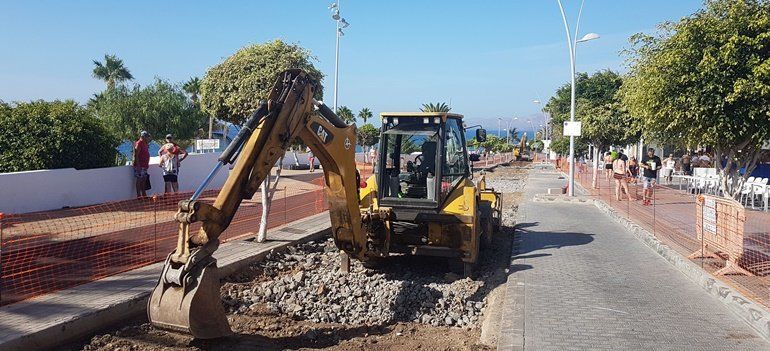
[(755, 315), (83, 321)]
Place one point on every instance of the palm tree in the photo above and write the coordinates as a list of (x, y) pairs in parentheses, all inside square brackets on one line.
[(365, 114), (193, 87), (438, 107), (514, 133), (346, 114), (111, 71)]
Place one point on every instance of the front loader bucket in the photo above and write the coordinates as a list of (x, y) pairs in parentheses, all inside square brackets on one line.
[(194, 308)]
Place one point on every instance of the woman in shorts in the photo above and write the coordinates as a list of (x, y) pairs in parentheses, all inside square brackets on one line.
[(608, 166), (620, 174)]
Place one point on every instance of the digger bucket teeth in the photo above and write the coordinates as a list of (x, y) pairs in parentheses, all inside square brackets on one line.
[(194, 307)]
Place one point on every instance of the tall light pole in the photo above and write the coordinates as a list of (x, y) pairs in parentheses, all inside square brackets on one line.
[(508, 136), (499, 121), (572, 45), (545, 117), (341, 23)]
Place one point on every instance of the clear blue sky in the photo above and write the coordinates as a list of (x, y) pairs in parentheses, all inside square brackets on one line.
[(491, 58)]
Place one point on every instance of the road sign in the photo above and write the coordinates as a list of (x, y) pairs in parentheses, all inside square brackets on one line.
[(572, 128), (207, 144)]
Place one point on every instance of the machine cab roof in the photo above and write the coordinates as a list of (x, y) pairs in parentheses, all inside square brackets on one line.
[(423, 158)]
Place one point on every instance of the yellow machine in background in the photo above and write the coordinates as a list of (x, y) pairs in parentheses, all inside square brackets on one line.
[(420, 201)]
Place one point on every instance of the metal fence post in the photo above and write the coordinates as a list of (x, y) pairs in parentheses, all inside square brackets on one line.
[(155, 227)]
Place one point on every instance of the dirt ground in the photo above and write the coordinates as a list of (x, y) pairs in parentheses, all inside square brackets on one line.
[(263, 329)]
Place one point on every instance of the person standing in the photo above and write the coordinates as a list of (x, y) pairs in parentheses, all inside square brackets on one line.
[(651, 165), (633, 170), (620, 174), (141, 162), (687, 164), (372, 156), (170, 161), (608, 165), (668, 168), (311, 160)]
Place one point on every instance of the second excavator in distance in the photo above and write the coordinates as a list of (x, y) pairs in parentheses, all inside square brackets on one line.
[(421, 200)]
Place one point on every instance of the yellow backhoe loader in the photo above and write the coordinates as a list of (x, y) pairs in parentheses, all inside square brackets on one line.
[(421, 200)]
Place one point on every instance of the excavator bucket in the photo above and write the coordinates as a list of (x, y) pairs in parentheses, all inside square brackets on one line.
[(193, 307)]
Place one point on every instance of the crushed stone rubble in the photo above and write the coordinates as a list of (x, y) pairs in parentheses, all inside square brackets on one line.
[(305, 283)]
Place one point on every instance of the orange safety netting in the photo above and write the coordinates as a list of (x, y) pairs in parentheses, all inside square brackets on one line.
[(47, 251), (673, 217)]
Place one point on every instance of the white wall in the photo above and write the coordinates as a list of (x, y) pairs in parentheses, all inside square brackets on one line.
[(42, 190)]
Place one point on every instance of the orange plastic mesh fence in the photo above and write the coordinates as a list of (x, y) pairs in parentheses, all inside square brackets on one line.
[(47, 251), (672, 217)]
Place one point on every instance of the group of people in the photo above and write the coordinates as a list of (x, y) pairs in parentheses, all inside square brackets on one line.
[(171, 156), (623, 170)]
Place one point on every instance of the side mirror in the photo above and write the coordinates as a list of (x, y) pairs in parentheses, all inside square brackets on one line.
[(481, 135)]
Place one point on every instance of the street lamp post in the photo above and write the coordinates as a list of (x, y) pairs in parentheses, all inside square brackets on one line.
[(341, 23), (572, 45), (508, 135)]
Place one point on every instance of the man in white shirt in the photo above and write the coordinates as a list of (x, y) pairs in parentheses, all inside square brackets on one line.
[(668, 168)]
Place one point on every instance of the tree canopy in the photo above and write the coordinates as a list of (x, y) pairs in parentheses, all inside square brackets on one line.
[(233, 89), (346, 114), (368, 135), (365, 114), (705, 81), (193, 88), (112, 71), (160, 108), (437, 107), (605, 121), (57, 134)]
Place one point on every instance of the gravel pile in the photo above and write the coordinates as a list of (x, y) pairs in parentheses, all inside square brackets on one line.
[(508, 183), (305, 283)]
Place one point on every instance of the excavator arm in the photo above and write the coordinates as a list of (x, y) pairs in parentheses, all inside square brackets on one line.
[(187, 295)]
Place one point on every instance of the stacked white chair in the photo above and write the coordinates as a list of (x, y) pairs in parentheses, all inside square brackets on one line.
[(759, 190), (747, 190)]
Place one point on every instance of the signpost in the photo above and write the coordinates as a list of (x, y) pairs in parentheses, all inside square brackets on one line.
[(206, 144), (572, 128)]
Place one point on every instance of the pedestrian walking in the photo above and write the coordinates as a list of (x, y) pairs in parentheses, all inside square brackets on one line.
[(372, 156), (608, 165), (141, 162), (651, 165), (669, 164), (170, 161), (620, 174), (311, 160), (633, 170)]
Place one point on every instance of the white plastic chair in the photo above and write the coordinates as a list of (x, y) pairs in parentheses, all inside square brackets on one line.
[(759, 189), (748, 188)]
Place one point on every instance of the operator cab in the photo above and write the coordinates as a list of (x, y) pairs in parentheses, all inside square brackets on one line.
[(423, 155)]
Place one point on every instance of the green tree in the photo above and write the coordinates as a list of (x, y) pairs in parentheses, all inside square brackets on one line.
[(193, 88), (437, 107), (346, 114), (365, 114), (705, 81), (56, 134), (160, 108), (233, 89), (368, 135), (111, 71), (594, 93)]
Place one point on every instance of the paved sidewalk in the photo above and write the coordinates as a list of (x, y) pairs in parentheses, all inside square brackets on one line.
[(49, 320), (580, 281)]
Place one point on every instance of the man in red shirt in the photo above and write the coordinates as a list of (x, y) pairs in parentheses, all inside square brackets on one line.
[(141, 163)]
